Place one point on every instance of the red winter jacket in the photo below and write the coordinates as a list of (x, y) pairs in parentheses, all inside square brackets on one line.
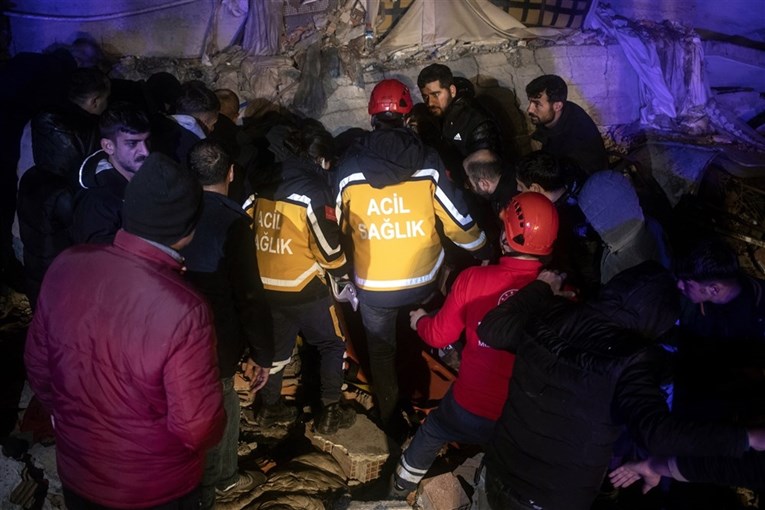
[(122, 352), (481, 386)]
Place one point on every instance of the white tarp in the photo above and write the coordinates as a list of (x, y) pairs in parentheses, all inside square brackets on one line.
[(435, 22)]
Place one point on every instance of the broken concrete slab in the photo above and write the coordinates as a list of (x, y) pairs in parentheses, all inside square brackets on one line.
[(442, 492), (361, 450)]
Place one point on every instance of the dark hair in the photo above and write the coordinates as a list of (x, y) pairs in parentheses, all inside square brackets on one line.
[(86, 52), (85, 82), (436, 72), (707, 260), (388, 120), (196, 97), (209, 162), (556, 88), (489, 168), (123, 117), (312, 141), (541, 168), (164, 89)]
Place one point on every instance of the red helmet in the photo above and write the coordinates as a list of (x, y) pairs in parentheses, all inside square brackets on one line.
[(390, 96), (531, 223)]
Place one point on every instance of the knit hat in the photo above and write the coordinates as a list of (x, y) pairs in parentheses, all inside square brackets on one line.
[(611, 205), (163, 201)]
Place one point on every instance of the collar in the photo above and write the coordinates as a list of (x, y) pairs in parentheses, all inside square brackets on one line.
[(150, 250), (223, 200), (511, 262), (190, 123)]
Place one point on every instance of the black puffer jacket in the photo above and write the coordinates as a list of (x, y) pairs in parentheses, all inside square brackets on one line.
[(582, 372), (61, 138)]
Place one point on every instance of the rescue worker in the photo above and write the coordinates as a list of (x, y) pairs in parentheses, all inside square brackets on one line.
[(469, 411), (391, 191), (298, 242)]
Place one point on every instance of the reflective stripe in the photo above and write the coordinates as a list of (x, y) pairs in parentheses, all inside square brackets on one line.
[(292, 283), (315, 224), (475, 244), (278, 366), (336, 323), (250, 202), (443, 198), (409, 473), (403, 283), (358, 176)]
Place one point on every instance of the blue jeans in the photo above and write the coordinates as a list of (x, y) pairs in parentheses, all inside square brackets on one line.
[(221, 463), (449, 422), (380, 328)]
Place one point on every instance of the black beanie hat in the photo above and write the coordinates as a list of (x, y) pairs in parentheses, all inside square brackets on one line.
[(163, 201)]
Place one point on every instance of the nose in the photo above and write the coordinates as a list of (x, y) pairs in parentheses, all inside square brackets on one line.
[(680, 285), (143, 149)]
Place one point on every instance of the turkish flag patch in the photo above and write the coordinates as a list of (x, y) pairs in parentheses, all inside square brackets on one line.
[(329, 213)]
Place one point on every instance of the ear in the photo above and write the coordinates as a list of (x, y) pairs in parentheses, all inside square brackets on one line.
[(557, 106), (230, 176), (713, 289), (536, 188), (453, 90), (107, 146), (484, 185)]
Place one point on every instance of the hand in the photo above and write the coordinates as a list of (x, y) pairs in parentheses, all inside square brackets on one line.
[(414, 316), (555, 279), (630, 472), (756, 439), (257, 375)]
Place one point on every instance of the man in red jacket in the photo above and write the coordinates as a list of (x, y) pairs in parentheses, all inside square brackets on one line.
[(469, 410), (121, 351)]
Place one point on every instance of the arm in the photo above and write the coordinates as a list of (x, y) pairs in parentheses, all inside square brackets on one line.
[(444, 327), (325, 236), (640, 404), (748, 471), (248, 294), (459, 226), (192, 385), (94, 220), (502, 326), (36, 360)]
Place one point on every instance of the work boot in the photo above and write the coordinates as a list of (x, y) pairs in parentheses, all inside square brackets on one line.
[(275, 414), (246, 482), (334, 417)]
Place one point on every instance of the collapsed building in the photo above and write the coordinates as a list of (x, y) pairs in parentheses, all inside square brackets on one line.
[(680, 105)]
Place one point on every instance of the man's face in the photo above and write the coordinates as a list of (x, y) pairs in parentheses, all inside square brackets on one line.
[(437, 98), (696, 292), (542, 111), (127, 152)]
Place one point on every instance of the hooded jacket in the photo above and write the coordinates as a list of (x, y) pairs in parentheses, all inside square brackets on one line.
[(391, 191), (121, 351), (62, 137), (296, 235), (98, 204), (611, 205), (581, 373)]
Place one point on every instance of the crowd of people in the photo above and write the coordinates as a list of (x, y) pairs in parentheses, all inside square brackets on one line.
[(167, 243)]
